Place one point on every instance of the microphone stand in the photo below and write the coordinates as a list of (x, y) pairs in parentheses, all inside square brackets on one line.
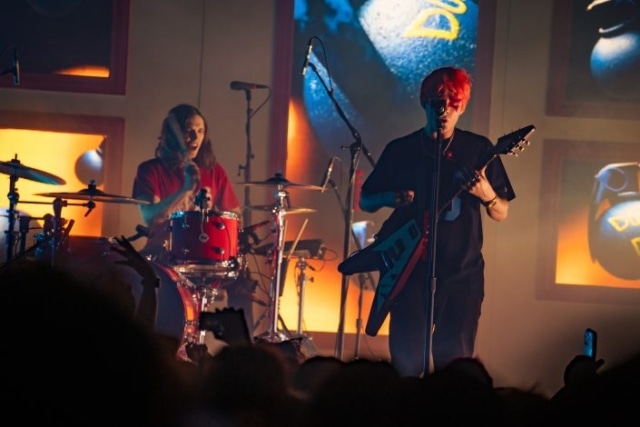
[(432, 236), (246, 215), (355, 150), (362, 278)]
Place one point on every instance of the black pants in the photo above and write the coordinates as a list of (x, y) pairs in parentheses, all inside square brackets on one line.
[(456, 315)]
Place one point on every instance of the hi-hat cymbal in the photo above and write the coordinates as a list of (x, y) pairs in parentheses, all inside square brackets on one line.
[(289, 210), (14, 168), (281, 182), (93, 194)]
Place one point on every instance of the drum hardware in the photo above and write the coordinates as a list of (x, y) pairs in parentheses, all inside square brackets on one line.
[(92, 194), (302, 265), (275, 290), (280, 183), (16, 170), (289, 210), (307, 248)]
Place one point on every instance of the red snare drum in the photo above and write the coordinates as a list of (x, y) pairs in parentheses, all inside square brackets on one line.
[(204, 242)]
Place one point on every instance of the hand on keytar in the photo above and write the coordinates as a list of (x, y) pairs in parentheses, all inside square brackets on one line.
[(135, 260)]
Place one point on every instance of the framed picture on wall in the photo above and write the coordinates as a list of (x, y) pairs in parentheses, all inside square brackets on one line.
[(79, 149), (589, 246), (594, 60), (71, 45)]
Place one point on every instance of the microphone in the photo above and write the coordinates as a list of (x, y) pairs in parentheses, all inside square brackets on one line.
[(236, 85), (201, 199), (327, 174), (439, 106), (305, 64), (15, 67)]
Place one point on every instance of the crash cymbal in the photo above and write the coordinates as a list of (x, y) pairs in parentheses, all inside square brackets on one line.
[(14, 168), (289, 210), (279, 181), (93, 194)]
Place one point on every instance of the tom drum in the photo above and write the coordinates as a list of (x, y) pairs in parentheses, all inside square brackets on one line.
[(205, 242)]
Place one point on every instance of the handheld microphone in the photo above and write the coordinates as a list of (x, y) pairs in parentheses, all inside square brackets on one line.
[(305, 64), (237, 85), (201, 199), (327, 174), (15, 67)]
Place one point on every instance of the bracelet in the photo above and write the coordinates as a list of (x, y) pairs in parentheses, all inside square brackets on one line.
[(491, 203)]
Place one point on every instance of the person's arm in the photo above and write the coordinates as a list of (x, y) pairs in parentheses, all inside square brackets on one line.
[(371, 202), (158, 210), (497, 208)]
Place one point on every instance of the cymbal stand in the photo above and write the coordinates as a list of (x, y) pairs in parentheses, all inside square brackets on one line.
[(13, 197), (302, 265), (279, 213)]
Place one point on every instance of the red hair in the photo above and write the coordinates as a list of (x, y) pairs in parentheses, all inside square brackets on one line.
[(451, 82)]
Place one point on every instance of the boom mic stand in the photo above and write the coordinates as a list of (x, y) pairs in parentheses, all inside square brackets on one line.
[(362, 277), (246, 168), (355, 150)]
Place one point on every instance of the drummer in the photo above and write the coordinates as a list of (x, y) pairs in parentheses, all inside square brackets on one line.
[(183, 170)]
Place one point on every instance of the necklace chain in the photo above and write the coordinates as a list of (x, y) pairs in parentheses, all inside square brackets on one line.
[(449, 142), (447, 145)]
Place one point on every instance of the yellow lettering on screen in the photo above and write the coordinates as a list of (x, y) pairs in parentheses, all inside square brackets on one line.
[(447, 10)]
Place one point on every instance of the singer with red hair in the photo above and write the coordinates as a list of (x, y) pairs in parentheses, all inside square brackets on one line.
[(404, 180)]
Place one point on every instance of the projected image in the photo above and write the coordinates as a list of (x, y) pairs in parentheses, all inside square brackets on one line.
[(596, 244), (372, 56), (595, 58)]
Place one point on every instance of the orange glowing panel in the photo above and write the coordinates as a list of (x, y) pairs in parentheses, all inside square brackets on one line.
[(86, 71), (56, 153)]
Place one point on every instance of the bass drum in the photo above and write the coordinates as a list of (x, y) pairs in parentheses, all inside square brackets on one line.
[(177, 304)]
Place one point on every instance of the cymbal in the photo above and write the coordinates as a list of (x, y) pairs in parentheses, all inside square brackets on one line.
[(279, 181), (289, 210), (14, 168), (93, 194)]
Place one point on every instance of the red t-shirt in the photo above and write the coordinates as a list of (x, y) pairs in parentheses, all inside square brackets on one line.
[(153, 178)]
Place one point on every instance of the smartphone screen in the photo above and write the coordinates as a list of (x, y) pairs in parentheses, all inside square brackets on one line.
[(590, 343)]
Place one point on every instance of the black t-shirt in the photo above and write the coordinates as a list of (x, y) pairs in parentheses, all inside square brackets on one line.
[(408, 163)]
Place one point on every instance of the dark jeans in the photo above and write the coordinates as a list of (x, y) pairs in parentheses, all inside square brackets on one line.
[(456, 315)]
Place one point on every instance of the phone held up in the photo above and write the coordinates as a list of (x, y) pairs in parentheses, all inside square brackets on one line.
[(590, 343)]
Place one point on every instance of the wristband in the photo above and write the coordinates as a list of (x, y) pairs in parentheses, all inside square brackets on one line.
[(491, 203)]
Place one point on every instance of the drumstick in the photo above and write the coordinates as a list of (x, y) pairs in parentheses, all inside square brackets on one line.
[(295, 242)]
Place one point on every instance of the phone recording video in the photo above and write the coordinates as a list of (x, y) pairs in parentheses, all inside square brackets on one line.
[(590, 344)]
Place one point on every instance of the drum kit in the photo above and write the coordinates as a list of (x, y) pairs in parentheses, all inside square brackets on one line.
[(205, 248)]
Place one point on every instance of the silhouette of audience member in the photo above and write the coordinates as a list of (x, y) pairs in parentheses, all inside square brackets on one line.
[(246, 385), (312, 373), (462, 392), (81, 356), (360, 392), (589, 395), (78, 358)]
